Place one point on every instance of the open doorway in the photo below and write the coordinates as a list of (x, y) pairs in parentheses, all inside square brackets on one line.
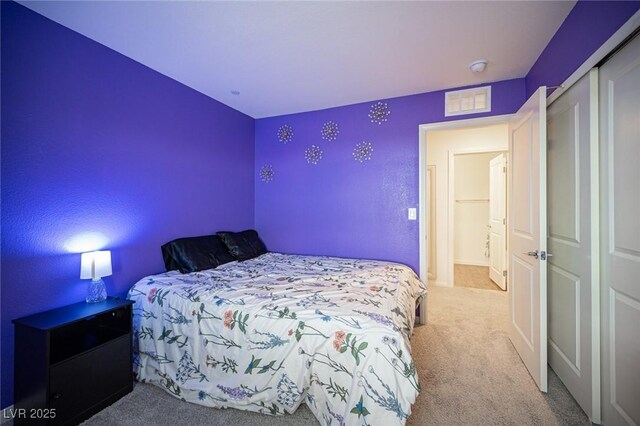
[(440, 144), (479, 220)]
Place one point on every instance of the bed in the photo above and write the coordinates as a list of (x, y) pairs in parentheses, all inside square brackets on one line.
[(269, 333)]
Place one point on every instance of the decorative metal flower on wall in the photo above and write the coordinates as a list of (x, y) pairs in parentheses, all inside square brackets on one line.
[(285, 133), (330, 131), (267, 173), (363, 152), (379, 112), (313, 154)]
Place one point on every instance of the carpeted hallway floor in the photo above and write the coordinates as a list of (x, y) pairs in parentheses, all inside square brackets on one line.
[(473, 277), (469, 372)]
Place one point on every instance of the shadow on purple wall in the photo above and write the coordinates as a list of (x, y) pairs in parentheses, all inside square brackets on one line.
[(586, 28), (95, 142)]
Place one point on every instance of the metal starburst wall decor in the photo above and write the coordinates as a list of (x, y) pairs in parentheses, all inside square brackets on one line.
[(313, 154), (379, 112), (363, 152), (330, 131), (285, 134), (267, 173)]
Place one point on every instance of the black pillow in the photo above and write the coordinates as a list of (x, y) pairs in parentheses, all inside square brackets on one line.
[(195, 253), (243, 245)]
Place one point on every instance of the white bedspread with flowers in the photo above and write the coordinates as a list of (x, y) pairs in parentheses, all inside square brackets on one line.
[(268, 333)]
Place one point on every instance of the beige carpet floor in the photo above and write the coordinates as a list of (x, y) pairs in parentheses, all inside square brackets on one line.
[(469, 372), (473, 276)]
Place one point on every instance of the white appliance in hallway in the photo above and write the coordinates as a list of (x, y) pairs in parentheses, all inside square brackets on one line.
[(498, 220)]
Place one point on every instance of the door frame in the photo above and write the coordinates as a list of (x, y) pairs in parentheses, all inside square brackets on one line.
[(451, 199), (432, 271), (423, 131)]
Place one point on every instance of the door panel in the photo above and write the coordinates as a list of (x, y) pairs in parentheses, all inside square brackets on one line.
[(527, 218), (570, 283), (563, 163), (523, 297), (522, 183), (624, 346), (564, 319), (497, 220), (620, 254)]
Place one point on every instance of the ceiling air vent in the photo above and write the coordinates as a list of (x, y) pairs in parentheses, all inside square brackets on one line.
[(468, 101)]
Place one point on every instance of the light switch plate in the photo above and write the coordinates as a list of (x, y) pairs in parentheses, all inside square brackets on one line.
[(412, 213)]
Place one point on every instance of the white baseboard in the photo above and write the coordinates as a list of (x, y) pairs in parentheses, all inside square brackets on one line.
[(470, 262), (5, 417), (440, 283)]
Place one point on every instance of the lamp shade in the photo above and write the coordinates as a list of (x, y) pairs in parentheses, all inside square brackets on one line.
[(95, 264)]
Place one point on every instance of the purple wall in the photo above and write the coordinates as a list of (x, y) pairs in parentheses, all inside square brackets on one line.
[(93, 141), (586, 28), (342, 207)]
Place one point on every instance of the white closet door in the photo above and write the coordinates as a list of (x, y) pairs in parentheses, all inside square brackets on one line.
[(620, 224), (570, 284), (528, 235)]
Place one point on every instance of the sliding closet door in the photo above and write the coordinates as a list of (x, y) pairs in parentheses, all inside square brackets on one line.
[(573, 353), (620, 223)]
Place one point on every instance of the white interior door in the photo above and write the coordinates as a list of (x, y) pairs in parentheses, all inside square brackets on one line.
[(620, 230), (528, 235), (573, 281), (497, 220)]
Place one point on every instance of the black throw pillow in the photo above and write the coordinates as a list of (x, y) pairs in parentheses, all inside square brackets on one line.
[(194, 254), (243, 245)]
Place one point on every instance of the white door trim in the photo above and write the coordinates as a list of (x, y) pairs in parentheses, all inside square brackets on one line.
[(432, 271), (594, 173), (422, 183)]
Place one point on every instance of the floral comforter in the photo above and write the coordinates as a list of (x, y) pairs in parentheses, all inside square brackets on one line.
[(269, 333)]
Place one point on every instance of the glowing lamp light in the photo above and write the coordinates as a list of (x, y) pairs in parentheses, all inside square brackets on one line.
[(95, 265), (87, 241)]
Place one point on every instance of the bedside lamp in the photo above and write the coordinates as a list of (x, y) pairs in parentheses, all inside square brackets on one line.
[(95, 265)]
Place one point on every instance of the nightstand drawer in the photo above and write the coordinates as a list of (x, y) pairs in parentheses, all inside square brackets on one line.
[(90, 379)]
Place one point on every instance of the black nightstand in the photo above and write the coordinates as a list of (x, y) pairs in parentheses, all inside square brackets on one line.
[(72, 362)]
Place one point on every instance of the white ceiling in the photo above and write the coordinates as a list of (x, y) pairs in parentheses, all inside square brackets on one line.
[(286, 57)]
